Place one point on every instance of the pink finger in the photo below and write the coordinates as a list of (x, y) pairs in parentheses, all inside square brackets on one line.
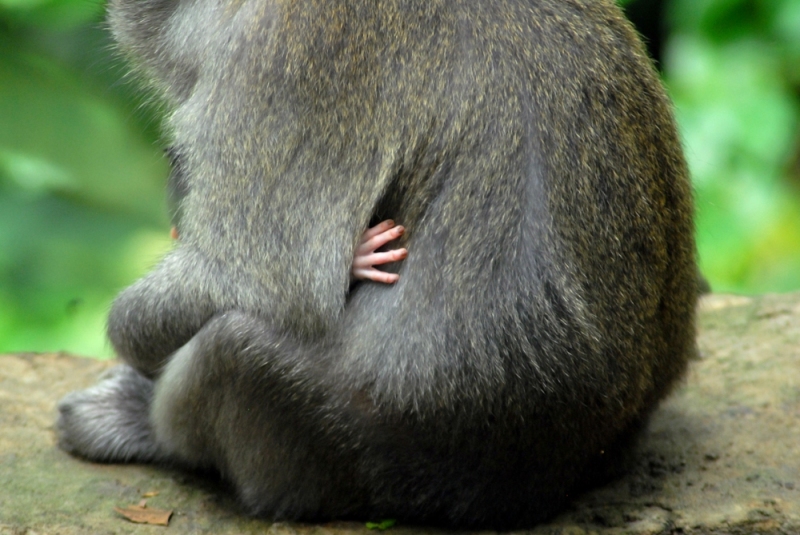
[(376, 259), (383, 226), (383, 238), (379, 276)]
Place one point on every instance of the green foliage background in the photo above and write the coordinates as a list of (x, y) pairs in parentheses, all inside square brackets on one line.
[(82, 173)]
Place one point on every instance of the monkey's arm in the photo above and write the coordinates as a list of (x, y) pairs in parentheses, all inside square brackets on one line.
[(366, 257), (160, 312)]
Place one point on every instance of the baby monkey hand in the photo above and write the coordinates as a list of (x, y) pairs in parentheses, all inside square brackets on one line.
[(366, 257)]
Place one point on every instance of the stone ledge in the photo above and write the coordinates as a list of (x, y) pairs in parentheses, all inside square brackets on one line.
[(721, 455)]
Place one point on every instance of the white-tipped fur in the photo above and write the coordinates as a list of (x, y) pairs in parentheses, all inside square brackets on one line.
[(110, 420)]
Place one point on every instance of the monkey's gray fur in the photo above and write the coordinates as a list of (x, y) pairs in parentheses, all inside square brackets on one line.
[(547, 302)]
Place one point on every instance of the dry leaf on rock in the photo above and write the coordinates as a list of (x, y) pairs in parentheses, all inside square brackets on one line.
[(141, 514)]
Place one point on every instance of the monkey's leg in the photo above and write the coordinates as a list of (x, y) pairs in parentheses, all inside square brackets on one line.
[(249, 403), (110, 421), (149, 321), (235, 397)]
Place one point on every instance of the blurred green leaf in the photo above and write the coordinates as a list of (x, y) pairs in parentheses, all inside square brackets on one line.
[(52, 13), (82, 212), (60, 266), (382, 525), (740, 119), (55, 129), (32, 173)]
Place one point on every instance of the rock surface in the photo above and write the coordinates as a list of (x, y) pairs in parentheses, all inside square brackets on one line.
[(721, 455)]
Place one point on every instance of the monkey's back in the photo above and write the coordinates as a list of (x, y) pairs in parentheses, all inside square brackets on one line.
[(547, 302)]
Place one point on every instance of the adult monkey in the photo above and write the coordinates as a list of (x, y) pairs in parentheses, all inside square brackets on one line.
[(546, 305)]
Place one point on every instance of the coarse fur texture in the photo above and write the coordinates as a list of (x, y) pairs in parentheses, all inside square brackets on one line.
[(546, 305)]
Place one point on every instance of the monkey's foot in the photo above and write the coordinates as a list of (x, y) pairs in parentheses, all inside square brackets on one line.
[(110, 422)]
